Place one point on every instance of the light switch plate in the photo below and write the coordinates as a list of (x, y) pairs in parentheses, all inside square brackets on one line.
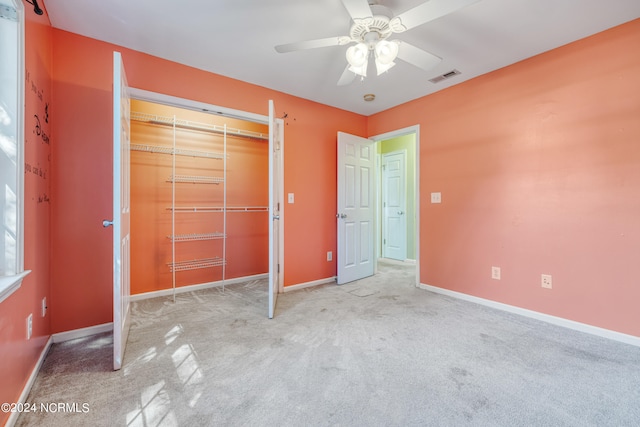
[(290, 198)]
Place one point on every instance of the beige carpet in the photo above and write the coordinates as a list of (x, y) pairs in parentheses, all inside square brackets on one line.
[(376, 352)]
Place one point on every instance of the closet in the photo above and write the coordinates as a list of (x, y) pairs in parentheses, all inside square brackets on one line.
[(199, 198)]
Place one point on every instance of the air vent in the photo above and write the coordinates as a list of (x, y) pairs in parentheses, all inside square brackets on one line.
[(444, 76)]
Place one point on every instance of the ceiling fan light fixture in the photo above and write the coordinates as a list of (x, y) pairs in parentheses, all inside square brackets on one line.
[(382, 67), (358, 57), (386, 52)]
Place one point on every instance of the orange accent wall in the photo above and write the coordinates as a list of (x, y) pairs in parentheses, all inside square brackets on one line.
[(18, 356), (81, 260), (247, 243), (539, 168)]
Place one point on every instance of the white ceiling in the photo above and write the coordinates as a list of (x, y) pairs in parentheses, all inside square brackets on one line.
[(236, 38)]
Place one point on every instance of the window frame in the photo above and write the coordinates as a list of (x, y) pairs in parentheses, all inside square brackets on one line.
[(11, 283)]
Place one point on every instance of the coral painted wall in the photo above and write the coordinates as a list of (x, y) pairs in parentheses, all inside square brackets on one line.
[(539, 168), (81, 263), (18, 356)]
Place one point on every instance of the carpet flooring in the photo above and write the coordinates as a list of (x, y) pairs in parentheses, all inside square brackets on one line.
[(375, 352)]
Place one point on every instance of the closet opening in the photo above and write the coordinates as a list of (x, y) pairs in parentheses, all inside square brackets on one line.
[(199, 194)]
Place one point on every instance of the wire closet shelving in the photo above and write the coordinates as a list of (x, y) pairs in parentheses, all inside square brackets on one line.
[(175, 123)]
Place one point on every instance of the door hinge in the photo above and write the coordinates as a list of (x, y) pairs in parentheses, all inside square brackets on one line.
[(384, 241), (278, 268)]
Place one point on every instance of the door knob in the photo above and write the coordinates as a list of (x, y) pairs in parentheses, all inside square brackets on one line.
[(400, 213), (276, 217), (343, 216), (106, 223)]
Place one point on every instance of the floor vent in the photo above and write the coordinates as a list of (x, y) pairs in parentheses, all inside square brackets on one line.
[(444, 76)]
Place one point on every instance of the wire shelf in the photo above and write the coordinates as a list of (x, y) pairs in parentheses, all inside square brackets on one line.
[(196, 264), (177, 151), (196, 237), (193, 179), (189, 124)]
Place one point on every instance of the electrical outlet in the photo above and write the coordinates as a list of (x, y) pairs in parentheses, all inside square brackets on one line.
[(29, 326), (495, 273), (329, 256), (44, 306), (436, 197), (546, 281)]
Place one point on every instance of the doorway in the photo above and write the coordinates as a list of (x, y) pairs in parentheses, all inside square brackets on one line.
[(360, 216), (398, 213)]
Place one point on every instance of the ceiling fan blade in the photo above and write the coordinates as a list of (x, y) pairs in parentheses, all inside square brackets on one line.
[(358, 9), (347, 77), (312, 44), (429, 11), (417, 57)]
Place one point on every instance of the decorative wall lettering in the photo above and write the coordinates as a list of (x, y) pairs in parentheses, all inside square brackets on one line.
[(35, 170), (38, 129)]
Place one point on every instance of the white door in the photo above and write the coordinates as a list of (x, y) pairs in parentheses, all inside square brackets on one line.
[(121, 241), (394, 207), (275, 137), (356, 207)]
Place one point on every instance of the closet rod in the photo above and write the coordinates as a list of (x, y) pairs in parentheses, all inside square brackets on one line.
[(188, 124), (196, 179), (176, 151), (219, 209)]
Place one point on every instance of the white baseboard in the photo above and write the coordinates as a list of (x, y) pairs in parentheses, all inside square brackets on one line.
[(559, 321), (13, 418), (309, 284), (81, 333), (198, 287)]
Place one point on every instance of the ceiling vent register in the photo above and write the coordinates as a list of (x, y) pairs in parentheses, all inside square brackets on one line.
[(444, 76)]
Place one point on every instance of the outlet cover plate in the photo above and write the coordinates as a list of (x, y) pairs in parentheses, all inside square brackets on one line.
[(495, 273), (546, 281)]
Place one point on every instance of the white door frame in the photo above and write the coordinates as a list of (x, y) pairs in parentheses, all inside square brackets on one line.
[(159, 98), (394, 134)]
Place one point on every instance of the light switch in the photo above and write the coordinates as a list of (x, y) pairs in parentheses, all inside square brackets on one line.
[(436, 197), (290, 197)]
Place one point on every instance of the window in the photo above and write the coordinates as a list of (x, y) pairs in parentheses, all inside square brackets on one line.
[(11, 146)]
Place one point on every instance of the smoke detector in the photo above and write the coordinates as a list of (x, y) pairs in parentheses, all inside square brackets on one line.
[(369, 97)]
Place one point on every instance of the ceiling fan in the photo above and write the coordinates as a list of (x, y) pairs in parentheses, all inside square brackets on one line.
[(371, 28)]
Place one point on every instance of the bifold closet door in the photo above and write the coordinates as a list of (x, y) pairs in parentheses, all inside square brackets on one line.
[(121, 211), (275, 137)]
